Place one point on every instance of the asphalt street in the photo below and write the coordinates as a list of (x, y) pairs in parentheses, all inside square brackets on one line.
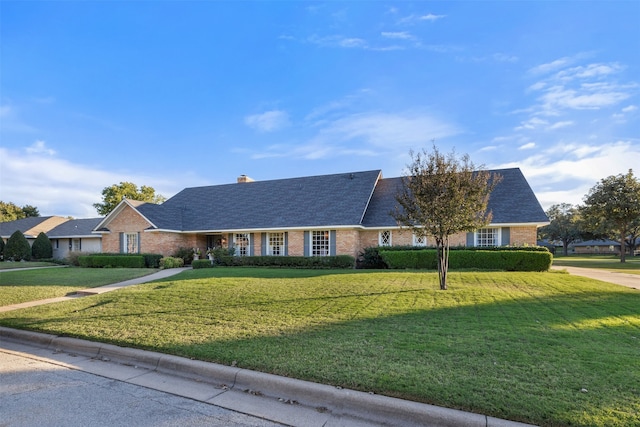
[(34, 392)]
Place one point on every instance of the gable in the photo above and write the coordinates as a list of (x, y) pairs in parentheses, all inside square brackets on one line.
[(124, 215)]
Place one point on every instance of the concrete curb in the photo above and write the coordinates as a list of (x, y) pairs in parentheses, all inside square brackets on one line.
[(336, 401)]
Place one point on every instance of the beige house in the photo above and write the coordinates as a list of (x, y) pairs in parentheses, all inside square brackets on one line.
[(338, 214)]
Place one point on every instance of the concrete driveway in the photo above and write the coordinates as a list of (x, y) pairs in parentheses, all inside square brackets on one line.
[(622, 279)]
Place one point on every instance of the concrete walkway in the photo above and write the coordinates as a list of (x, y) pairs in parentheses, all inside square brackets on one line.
[(95, 291), (622, 279)]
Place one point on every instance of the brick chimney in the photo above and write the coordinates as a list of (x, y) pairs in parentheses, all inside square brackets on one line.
[(244, 178)]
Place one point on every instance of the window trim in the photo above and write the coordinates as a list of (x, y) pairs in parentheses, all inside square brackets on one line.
[(415, 242), (238, 248), (270, 246), (497, 237), (315, 249), (381, 239)]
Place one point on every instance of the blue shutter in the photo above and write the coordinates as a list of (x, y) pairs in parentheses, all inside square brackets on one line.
[(263, 243), (506, 236), (470, 239), (139, 242), (286, 243), (230, 242), (121, 243), (307, 252), (332, 242), (251, 250), (80, 244)]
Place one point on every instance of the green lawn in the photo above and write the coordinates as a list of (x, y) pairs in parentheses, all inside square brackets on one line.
[(608, 262), (520, 346), (7, 265), (30, 285)]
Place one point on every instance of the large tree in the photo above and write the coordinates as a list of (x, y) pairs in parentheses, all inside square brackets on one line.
[(613, 206), (114, 194), (564, 226), (10, 211), (443, 195)]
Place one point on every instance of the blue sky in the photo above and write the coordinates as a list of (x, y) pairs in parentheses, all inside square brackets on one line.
[(176, 94)]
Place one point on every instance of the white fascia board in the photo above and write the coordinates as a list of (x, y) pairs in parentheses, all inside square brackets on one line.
[(76, 236), (257, 230), (518, 224), (366, 207), (116, 211)]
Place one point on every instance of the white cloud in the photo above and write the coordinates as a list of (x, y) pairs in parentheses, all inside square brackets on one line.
[(338, 41), (561, 124), (59, 187), (566, 172), (39, 147), (629, 109), (431, 17), (268, 121), (403, 35), (527, 146)]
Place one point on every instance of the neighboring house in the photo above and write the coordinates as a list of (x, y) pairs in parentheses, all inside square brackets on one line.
[(75, 235), (339, 214), (597, 247), (65, 234), (30, 227)]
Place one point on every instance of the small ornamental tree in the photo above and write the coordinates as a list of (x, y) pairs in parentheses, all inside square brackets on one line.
[(41, 248), (613, 206), (17, 247), (442, 196)]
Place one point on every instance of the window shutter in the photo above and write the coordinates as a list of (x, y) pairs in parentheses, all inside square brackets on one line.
[(251, 250), (139, 243), (80, 244), (121, 243), (263, 244), (505, 237), (470, 239), (307, 252), (286, 243), (332, 242)]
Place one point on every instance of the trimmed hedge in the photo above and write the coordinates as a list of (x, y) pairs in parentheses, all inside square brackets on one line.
[(201, 263), (508, 260), (339, 261), (111, 261)]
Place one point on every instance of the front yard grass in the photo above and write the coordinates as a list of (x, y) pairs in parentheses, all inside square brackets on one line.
[(545, 348), (30, 285)]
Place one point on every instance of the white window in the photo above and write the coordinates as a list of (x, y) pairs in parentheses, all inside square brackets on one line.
[(320, 243), (419, 240), (75, 245), (131, 243), (275, 244), (488, 237), (241, 243), (384, 238)]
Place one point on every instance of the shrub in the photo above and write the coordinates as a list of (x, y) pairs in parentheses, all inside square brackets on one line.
[(1, 249), (508, 259), (152, 260), (171, 262), (339, 261), (201, 263), (17, 247), (185, 253), (72, 258), (370, 258), (41, 248), (109, 261)]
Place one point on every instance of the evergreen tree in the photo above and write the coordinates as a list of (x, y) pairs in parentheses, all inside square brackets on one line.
[(17, 247), (41, 248)]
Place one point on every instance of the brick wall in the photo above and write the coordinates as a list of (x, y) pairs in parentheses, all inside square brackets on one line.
[(520, 236)]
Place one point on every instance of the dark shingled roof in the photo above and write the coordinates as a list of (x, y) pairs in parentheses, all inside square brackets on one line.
[(315, 201), (75, 227), (24, 225), (511, 202)]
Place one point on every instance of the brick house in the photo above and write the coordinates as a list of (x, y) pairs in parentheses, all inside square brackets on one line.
[(338, 214)]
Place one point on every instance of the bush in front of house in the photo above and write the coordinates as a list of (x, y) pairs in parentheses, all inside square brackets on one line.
[(171, 262), (494, 259), (201, 263), (1, 249), (338, 261), (17, 247), (185, 253), (41, 248), (152, 260), (111, 261)]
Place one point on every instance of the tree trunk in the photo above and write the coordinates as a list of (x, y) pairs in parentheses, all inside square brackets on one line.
[(623, 248), (565, 247), (443, 261)]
